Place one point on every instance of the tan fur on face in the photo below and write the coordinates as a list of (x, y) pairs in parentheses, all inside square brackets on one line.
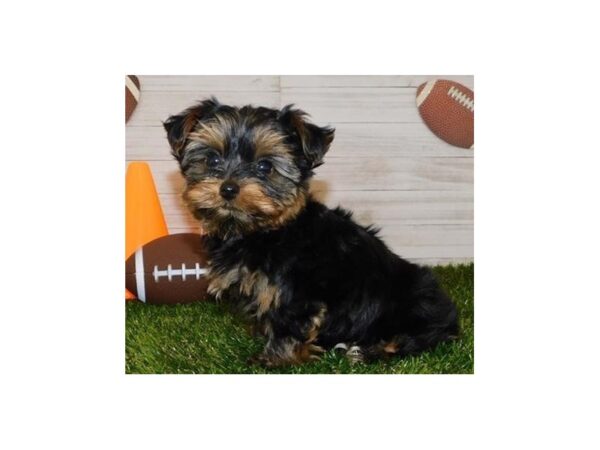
[(205, 194), (252, 198), (213, 133), (210, 134), (291, 211), (271, 215), (252, 207), (268, 142)]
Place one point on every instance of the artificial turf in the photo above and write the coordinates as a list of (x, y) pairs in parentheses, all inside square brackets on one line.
[(207, 338)]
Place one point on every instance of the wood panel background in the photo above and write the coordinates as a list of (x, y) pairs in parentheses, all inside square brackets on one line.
[(384, 163)]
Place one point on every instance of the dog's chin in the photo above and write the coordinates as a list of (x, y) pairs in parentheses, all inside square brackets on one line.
[(226, 221), (234, 219)]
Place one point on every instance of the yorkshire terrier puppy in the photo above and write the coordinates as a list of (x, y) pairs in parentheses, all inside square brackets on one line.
[(311, 277)]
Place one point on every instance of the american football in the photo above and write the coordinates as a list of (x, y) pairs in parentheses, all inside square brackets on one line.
[(168, 270), (132, 94), (448, 109)]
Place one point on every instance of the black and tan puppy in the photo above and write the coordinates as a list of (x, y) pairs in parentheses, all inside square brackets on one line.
[(310, 276)]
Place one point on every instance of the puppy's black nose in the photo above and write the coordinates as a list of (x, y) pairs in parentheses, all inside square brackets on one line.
[(229, 190)]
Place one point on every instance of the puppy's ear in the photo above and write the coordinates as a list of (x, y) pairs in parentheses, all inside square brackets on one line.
[(179, 126), (314, 140)]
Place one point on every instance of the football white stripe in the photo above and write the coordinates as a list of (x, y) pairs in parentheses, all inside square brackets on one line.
[(462, 98), (139, 274), (132, 88), (183, 272), (425, 92)]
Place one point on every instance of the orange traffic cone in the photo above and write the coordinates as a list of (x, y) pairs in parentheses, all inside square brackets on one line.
[(144, 219)]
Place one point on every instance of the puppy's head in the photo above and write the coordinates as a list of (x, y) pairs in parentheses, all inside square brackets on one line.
[(246, 169)]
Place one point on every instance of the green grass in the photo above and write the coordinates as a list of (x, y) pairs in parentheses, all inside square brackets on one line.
[(207, 338)]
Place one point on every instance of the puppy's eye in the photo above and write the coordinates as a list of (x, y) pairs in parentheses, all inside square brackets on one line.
[(264, 166), (213, 161)]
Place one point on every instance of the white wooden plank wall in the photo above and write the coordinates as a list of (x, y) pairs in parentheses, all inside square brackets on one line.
[(384, 164)]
